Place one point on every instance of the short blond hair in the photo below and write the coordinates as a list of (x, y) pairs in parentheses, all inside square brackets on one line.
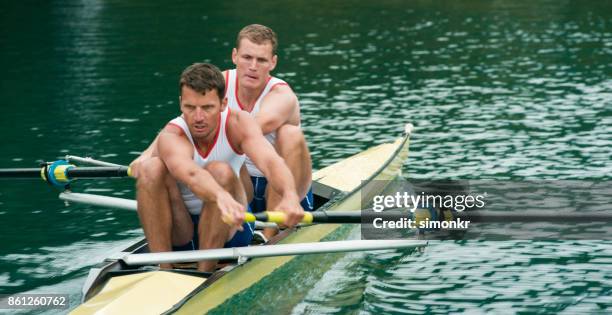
[(258, 34)]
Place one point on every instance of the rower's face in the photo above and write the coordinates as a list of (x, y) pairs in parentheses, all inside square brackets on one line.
[(201, 111), (253, 63)]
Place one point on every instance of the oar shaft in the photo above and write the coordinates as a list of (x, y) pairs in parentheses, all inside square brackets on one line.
[(341, 217), (100, 201), (71, 173), (534, 216), (88, 160), (98, 171), (270, 250), (20, 173), (336, 216), (309, 217)]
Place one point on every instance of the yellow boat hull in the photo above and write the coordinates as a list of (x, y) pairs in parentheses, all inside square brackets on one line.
[(156, 292)]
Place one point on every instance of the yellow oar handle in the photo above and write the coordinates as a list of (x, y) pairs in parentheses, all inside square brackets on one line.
[(249, 217), (274, 217)]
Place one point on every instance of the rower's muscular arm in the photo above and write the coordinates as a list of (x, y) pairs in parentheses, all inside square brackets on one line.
[(276, 109), (249, 139), (247, 136), (177, 153), (262, 153)]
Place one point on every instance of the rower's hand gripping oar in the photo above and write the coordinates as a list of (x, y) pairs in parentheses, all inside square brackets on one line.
[(344, 217), (309, 217)]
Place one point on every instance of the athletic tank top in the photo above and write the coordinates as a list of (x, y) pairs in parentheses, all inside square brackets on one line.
[(221, 150), (231, 92)]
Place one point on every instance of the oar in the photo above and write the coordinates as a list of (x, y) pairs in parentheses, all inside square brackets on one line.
[(100, 201), (342, 217), (269, 216), (482, 216), (309, 217), (120, 203), (269, 250), (70, 172), (60, 173), (423, 214), (88, 160)]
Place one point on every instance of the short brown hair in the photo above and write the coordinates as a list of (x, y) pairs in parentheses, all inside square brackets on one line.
[(202, 78), (258, 34)]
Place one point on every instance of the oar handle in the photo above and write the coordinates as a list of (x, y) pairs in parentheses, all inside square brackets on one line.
[(275, 217), (278, 217)]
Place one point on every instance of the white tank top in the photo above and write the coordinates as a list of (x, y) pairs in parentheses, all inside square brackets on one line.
[(221, 150), (231, 92)]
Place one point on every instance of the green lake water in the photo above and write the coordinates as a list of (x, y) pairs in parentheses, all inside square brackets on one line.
[(499, 90)]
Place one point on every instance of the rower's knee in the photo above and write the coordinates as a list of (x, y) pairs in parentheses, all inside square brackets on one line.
[(290, 138), (222, 173), (152, 172)]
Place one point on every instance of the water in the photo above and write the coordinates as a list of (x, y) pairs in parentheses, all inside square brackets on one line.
[(496, 90)]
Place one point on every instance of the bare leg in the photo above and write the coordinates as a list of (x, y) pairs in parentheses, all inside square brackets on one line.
[(158, 196), (154, 209), (213, 232), (182, 232), (291, 146), (245, 178)]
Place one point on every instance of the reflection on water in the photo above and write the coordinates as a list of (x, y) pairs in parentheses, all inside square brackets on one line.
[(500, 90), (492, 95)]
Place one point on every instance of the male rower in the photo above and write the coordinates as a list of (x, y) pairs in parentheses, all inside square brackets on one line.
[(203, 150), (250, 87)]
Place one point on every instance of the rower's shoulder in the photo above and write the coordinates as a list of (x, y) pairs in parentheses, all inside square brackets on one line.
[(281, 87), (173, 128), (239, 126), (235, 116), (173, 139), (282, 91)]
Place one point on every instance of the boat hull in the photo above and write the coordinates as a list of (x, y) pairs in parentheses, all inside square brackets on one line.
[(260, 281)]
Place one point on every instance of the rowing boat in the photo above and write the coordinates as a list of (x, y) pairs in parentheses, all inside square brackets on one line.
[(114, 287)]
